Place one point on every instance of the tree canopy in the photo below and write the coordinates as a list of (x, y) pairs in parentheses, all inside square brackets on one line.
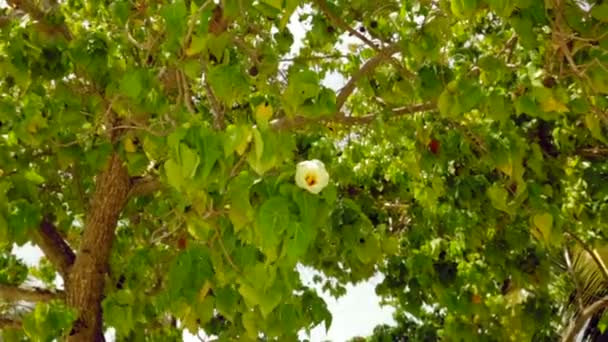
[(175, 160)]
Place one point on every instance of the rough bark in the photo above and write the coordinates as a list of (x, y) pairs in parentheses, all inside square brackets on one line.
[(84, 289)]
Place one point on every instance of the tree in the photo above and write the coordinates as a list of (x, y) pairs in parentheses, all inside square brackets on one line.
[(151, 150)]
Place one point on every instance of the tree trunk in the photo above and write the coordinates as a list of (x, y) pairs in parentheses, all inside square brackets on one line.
[(85, 284)]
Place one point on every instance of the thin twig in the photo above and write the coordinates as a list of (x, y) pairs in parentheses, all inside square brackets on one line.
[(154, 240), (180, 87), (237, 166), (130, 37), (143, 128), (186, 92), (312, 58)]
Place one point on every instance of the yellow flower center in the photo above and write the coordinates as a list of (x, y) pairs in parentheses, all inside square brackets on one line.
[(310, 179)]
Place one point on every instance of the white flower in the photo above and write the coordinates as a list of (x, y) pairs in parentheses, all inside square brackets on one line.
[(312, 176)]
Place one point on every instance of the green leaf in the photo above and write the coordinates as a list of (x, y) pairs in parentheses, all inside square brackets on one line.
[(503, 8), (226, 301), (544, 224), (273, 219), (445, 103), (175, 19), (132, 84), (308, 205), (174, 174), (119, 316), (241, 212), (595, 127), (368, 249), (278, 4), (228, 83), (250, 320), (210, 147), (600, 12), (217, 44), (236, 139), (390, 245), (267, 300), (317, 308), (259, 143), (300, 237), (4, 232), (271, 299), (188, 272), (205, 310), (197, 45), (303, 85), (23, 217), (34, 177), (464, 8), (603, 323), (499, 197), (525, 30), (189, 161), (124, 297), (47, 321), (120, 10), (290, 7)]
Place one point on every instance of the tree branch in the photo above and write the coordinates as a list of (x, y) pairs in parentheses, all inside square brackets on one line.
[(55, 248), (575, 326), (368, 67), (142, 186), (14, 293), (341, 118), (9, 323), (346, 91), (593, 152), (85, 285), (337, 21)]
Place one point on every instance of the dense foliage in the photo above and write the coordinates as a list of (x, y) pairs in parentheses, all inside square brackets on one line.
[(150, 149)]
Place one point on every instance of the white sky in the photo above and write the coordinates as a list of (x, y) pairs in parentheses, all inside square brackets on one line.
[(354, 314)]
